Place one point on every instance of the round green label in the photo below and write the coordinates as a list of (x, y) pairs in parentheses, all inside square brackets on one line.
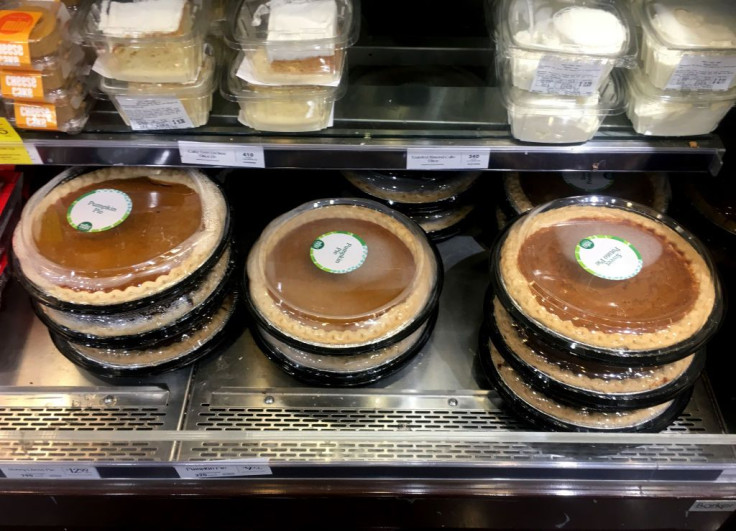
[(99, 210), (338, 252), (608, 257)]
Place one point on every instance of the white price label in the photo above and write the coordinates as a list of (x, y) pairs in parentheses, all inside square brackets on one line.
[(256, 467), (703, 73), (570, 78), (727, 476), (445, 159), (50, 472), (152, 114), (711, 506), (202, 153)]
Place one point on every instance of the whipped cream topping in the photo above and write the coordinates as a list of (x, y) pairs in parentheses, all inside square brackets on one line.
[(140, 17), (695, 25)]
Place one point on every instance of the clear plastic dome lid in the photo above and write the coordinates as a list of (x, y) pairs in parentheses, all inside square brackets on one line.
[(412, 186), (604, 274), (598, 28), (117, 235), (687, 25), (341, 272)]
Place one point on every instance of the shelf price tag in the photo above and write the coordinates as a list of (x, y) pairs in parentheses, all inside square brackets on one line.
[(12, 149), (447, 159), (229, 155), (39, 471), (252, 467)]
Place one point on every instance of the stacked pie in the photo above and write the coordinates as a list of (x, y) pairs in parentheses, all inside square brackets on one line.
[(526, 190), (439, 201), (130, 268), (343, 291), (598, 315)]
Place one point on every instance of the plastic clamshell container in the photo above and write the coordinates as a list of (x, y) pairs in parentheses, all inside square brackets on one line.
[(526, 190), (191, 102), (412, 187), (44, 76), (609, 280), (293, 42), (342, 276), (166, 49), (115, 239), (65, 110), (657, 112), (564, 46), (557, 119), (282, 108), (689, 45), (30, 31)]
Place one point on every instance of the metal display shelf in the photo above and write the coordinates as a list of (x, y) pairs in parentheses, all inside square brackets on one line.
[(374, 126)]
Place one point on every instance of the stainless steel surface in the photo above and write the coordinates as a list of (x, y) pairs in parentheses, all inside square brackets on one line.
[(41, 390)]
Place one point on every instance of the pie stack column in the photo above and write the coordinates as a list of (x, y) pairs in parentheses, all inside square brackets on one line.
[(129, 268), (598, 315)]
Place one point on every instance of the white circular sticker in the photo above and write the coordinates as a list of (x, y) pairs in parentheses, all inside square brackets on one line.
[(99, 210), (338, 252), (588, 182), (608, 257)]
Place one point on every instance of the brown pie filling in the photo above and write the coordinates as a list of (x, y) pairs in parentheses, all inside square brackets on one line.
[(163, 216), (662, 293), (383, 280)]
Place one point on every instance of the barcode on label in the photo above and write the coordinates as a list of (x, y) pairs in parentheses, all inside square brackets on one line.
[(153, 114), (444, 159)]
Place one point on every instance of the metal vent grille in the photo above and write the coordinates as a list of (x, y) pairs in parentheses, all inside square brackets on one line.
[(82, 451), (80, 419)]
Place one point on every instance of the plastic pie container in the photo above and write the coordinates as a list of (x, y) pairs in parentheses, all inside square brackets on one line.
[(146, 106), (563, 46), (657, 112), (582, 383), (78, 243), (287, 42), (146, 41), (689, 45), (548, 414), (609, 280), (282, 108), (342, 277), (559, 119)]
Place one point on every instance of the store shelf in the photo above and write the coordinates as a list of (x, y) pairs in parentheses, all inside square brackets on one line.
[(374, 127)]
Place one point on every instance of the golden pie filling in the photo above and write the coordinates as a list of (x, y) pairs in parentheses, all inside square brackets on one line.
[(341, 274), (607, 277), (119, 234)]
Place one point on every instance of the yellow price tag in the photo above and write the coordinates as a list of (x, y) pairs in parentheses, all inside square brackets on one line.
[(12, 150)]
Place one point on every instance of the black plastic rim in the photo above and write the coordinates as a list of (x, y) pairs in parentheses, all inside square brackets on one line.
[(578, 397), (170, 293), (544, 421), (422, 316), (147, 339), (223, 338), (556, 341), (330, 379), (453, 230)]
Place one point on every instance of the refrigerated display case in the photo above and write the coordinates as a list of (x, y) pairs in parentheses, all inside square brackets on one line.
[(234, 440)]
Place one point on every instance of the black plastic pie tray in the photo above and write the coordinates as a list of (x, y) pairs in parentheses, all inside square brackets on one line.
[(580, 397), (312, 376), (185, 285), (218, 342), (543, 421), (612, 356)]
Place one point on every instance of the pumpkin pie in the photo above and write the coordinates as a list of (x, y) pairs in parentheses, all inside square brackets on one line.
[(602, 274), (412, 187), (119, 235), (342, 273)]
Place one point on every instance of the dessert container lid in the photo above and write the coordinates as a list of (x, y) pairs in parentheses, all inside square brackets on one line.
[(609, 280), (640, 87), (294, 28), (38, 26), (209, 336), (706, 25), (204, 85), (578, 382), (342, 276), (549, 414), (608, 100), (142, 23), (595, 29), (78, 243)]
